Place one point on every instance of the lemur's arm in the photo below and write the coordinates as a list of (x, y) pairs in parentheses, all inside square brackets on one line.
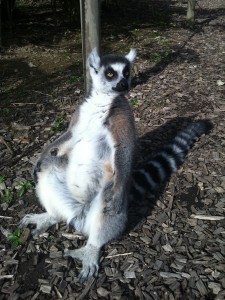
[(56, 152), (121, 126)]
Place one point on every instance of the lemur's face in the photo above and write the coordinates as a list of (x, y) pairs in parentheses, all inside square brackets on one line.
[(111, 74)]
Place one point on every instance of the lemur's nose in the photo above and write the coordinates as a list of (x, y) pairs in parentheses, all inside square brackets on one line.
[(123, 83), (121, 86)]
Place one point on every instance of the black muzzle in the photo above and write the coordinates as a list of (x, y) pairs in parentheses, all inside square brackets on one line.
[(121, 86)]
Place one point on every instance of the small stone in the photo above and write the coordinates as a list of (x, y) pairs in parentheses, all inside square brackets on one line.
[(46, 289), (129, 274), (167, 248), (216, 287), (102, 292), (220, 82), (219, 190)]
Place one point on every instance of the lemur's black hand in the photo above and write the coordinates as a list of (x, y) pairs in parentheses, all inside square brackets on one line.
[(46, 159), (36, 170)]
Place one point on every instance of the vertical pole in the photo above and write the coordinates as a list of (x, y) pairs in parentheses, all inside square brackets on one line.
[(0, 23), (90, 31), (191, 11)]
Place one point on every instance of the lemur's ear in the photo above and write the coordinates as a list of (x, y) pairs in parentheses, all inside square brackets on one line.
[(93, 60), (131, 55)]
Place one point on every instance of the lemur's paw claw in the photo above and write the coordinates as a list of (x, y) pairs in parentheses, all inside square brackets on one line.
[(26, 221), (89, 256), (88, 272)]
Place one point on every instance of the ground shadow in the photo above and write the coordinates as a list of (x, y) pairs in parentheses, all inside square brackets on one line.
[(32, 78), (180, 55)]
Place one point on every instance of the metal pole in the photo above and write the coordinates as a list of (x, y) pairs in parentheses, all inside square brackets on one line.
[(90, 31)]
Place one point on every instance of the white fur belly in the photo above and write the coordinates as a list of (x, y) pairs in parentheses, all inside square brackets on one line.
[(92, 147), (84, 169)]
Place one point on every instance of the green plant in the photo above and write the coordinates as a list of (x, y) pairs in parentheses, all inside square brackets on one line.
[(5, 111), (58, 123), (75, 78), (136, 30), (7, 195), (14, 238), (51, 238), (165, 41), (24, 186), (67, 55), (158, 56), (134, 101), (2, 179)]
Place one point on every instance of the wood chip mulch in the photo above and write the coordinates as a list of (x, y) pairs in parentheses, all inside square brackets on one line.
[(175, 246)]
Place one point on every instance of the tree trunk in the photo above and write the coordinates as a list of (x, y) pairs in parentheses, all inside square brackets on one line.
[(191, 11), (90, 30), (0, 23)]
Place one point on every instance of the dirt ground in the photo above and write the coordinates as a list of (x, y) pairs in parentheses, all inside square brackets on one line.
[(175, 245)]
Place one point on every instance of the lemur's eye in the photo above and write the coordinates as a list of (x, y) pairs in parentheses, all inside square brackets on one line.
[(126, 72), (110, 74)]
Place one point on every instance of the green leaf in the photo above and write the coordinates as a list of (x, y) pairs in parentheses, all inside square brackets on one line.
[(15, 244), (134, 101), (17, 232), (7, 195), (22, 191), (11, 237)]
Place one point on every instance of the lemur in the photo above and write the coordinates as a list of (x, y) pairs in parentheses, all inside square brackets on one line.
[(84, 177)]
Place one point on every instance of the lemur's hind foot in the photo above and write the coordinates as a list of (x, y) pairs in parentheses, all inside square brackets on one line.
[(42, 221), (89, 256)]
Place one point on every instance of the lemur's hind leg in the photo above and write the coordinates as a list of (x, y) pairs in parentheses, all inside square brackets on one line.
[(42, 221), (101, 227)]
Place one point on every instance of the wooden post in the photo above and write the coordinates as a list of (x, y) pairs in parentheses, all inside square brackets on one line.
[(90, 31), (191, 11), (0, 23)]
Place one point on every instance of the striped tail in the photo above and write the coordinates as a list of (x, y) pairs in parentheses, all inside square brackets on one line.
[(159, 169)]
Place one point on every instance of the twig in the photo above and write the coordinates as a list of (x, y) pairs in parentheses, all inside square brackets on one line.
[(57, 292), (71, 236), (118, 255), (6, 276), (204, 217), (6, 144), (23, 104), (5, 217), (42, 93)]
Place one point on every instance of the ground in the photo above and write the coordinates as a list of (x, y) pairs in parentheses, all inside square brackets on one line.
[(175, 246)]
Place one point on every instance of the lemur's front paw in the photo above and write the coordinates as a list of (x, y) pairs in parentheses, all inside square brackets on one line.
[(42, 221), (89, 256), (30, 219), (44, 162)]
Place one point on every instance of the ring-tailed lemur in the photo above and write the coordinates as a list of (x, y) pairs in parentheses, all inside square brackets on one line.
[(84, 177)]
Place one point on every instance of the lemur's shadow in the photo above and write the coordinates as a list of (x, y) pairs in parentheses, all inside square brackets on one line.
[(148, 146)]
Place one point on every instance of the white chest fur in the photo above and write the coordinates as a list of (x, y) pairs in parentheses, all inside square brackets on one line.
[(85, 164)]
